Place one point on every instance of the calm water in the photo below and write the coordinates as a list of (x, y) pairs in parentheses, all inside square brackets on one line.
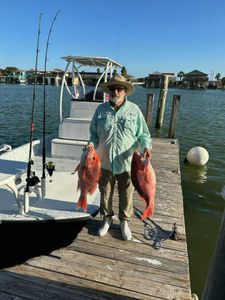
[(201, 123)]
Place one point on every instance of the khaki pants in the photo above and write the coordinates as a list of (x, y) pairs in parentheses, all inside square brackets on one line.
[(125, 189)]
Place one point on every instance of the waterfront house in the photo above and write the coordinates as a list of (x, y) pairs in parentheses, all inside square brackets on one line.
[(2, 76), (195, 80), (154, 80)]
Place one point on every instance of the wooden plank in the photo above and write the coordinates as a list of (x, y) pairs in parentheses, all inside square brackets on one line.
[(110, 272), (89, 233), (57, 285)]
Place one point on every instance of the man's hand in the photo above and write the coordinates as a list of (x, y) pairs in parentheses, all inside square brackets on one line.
[(89, 147), (147, 154)]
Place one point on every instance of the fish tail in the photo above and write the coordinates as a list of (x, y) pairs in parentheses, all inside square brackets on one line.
[(82, 203), (148, 212)]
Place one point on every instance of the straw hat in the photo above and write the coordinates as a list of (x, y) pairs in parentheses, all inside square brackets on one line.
[(118, 80)]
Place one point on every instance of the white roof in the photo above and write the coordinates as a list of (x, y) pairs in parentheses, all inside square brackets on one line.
[(92, 61)]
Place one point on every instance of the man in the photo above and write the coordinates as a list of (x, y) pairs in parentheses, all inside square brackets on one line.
[(117, 129)]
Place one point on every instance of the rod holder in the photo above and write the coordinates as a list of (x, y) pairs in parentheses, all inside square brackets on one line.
[(26, 202), (43, 187)]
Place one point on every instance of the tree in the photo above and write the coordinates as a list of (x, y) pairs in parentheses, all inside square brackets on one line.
[(217, 77), (180, 75), (114, 72), (124, 72), (223, 82), (10, 70)]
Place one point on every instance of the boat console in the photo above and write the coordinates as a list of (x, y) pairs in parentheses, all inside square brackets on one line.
[(74, 129)]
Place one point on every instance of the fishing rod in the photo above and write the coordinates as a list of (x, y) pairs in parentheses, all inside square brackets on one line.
[(32, 180), (43, 178)]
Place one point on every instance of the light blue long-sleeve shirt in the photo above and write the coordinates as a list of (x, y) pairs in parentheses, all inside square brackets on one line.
[(117, 134)]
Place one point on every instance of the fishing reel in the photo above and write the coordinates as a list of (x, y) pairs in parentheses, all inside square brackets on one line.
[(33, 180), (50, 167)]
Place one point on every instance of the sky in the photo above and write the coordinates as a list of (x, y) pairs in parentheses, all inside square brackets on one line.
[(143, 35)]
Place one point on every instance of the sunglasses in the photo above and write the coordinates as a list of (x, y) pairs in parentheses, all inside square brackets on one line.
[(118, 88)]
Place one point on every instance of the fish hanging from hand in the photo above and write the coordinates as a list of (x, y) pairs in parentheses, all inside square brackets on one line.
[(89, 173), (144, 180)]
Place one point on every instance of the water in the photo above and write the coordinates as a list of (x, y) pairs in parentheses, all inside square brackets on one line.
[(200, 123)]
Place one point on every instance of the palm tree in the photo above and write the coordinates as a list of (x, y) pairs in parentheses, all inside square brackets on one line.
[(180, 75), (217, 77), (223, 82), (114, 72), (124, 72)]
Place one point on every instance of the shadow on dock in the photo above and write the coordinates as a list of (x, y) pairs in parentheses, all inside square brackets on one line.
[(20, 242)]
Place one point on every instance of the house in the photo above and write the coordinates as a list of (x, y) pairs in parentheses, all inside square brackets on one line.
[(195, 80), (155, 80)]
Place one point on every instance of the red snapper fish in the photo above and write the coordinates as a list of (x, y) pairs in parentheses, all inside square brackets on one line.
[(144, 180), (89, 173)]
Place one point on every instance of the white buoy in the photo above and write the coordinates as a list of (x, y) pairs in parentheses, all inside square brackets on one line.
[(198, 156)]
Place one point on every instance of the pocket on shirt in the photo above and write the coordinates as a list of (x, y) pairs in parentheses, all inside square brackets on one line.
[(129, 124), (104, 124)]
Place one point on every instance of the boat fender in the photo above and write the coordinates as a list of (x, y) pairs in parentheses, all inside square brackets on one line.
[(5, 148), (198, 156)]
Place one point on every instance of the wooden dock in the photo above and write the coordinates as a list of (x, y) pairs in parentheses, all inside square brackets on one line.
[(108, 267)]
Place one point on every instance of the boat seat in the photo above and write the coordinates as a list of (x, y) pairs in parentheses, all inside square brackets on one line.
[(10, 172), (66, 148), (75, 129)]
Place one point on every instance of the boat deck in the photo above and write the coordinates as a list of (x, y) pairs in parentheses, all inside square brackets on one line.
[(108, 267), (58, 204)]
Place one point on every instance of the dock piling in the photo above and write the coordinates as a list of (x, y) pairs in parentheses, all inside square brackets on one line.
[(162, 101), (174, 116), (149, 109)]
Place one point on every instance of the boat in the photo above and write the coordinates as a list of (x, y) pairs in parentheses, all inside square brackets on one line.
[(22, 81), (53, 196)]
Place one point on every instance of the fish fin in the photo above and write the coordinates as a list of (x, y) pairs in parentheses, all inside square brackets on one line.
[(147, 178), (84, 171), (93, 189), (78, 185), (148, 212), (82, 203), (76, 169)]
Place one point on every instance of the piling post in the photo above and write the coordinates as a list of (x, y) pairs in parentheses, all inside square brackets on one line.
[(162, 101), (215, 287), (174, 116), (149, 109)]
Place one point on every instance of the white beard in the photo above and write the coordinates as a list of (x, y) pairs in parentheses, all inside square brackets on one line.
[(116, 100)]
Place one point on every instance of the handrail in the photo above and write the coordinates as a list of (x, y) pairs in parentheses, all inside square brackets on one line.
[(97, 84), (109, 65), (61, 93)]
